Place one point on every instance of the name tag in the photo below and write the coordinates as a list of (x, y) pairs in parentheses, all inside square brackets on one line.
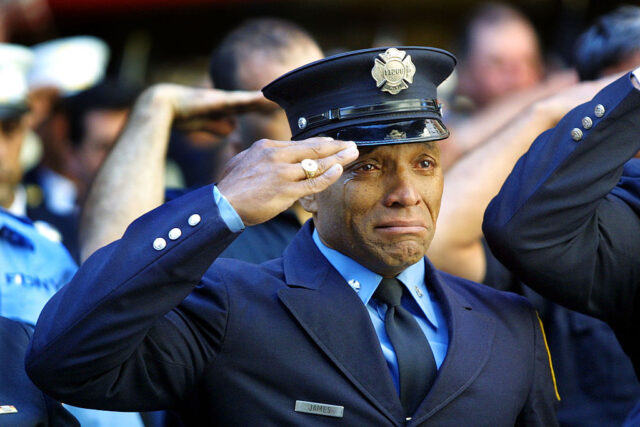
[(7, 409), (319, 409)]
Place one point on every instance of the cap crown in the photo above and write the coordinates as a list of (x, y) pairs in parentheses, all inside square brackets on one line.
[(375, 96)]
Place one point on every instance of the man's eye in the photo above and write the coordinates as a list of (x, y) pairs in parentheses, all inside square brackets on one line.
[(426, 164), (367, 167)]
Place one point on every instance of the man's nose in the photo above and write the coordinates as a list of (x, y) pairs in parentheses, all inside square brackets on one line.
[(401, 190)]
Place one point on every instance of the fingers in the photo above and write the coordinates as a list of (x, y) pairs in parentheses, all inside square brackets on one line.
[(320, 182), (289, 154), (267, 178), (312, 148), (342, 158)]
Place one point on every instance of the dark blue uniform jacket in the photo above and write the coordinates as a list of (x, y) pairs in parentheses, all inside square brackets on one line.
[(22, 404), (233, 343), (567, 220)]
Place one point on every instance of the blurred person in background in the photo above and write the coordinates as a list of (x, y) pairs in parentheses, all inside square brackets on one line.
[(499, 54), (32, 266), (18, 17), (77, 114), (578, 244), (33, 262), (130, 183), (611, 45), (91, 121), (501, 73)]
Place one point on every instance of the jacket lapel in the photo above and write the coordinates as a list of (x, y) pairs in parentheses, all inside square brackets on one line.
[(470, 340), (336, 320)]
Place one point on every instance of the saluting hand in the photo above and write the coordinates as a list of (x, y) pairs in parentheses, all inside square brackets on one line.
[(268, 177), (201, 109)]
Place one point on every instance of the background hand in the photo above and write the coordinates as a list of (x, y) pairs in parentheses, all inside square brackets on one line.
[(211, 110)]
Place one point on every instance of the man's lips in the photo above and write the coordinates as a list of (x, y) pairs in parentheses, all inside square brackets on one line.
[(402, 226)]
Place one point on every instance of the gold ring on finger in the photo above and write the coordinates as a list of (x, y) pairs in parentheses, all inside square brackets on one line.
[(310, 167)]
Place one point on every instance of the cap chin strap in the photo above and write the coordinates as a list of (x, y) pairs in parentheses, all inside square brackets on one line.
[(348, 113), (394, 132)]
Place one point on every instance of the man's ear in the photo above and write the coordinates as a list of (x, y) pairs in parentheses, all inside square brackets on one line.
[(309, 203)]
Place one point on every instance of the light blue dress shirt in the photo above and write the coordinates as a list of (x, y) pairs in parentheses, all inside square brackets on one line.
[(228, 214), (424, 308)]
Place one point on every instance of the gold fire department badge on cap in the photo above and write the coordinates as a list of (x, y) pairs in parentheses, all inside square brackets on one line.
[(393, 71)]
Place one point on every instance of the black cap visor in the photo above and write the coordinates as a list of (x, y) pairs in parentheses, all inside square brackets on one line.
[(394, 132)]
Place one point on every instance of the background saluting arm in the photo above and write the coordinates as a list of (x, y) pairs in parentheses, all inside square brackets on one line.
[(553, 221)]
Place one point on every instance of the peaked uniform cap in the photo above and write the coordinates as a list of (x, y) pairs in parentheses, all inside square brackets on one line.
[(15, 61), (371, 96)]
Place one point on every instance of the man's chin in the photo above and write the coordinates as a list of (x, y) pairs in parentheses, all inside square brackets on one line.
[(400, 256)]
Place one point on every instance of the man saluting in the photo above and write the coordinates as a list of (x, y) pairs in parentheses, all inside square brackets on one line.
[(352, 326)]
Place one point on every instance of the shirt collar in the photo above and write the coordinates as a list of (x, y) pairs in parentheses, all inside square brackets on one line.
[(364, 281), (19, 205), (10, 230)]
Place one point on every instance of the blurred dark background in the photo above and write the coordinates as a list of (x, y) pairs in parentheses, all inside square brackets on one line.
[(154, 40)]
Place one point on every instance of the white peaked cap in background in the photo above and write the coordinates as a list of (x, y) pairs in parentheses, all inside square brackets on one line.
[(70, 64), (15, 61)]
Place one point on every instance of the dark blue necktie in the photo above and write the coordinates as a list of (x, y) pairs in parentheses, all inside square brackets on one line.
[(416, 365)]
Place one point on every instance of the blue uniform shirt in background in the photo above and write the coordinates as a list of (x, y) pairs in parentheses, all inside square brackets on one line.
[(32, 268)]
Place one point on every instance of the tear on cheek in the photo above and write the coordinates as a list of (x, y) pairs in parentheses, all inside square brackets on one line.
[(347, 180)]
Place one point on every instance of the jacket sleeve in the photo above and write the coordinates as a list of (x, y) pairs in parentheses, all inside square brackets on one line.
[(113, 338), (564, 221), (542, 402)]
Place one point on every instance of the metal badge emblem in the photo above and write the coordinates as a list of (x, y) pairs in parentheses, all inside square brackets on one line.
[(355, 285), (393, 71)]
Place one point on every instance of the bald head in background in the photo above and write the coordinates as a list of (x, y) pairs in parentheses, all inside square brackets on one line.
[(253, 55)]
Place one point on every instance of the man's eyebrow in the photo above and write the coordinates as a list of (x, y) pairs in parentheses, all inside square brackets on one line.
[(431, 145)]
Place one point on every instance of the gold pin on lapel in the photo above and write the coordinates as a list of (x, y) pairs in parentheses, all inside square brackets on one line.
[(8, 409), (418, 292)]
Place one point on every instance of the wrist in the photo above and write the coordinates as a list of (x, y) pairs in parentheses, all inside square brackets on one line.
[(157, 99), (544, 113)]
